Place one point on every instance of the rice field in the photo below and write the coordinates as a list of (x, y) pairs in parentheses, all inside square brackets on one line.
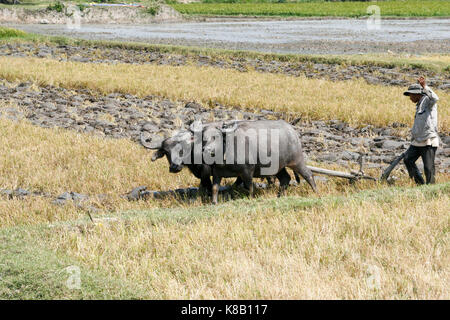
[(317, 8), (364, 240), (353, 101)]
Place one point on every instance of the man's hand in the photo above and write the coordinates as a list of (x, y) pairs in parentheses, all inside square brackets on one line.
[(422, 82)]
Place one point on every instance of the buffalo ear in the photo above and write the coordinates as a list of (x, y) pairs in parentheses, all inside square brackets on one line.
[(149, 142), (157, 155)]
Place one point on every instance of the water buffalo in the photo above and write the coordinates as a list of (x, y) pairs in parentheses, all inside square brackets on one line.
[(249, 149), (180, 150)]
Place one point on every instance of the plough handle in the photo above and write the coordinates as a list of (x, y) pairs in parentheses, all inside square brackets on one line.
[(391, 167)]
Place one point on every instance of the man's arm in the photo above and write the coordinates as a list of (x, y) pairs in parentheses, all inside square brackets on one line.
[(428, 92)]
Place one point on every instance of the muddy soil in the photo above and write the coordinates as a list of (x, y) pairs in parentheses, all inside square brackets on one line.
[(126, 116), (308, 36), (335, 72)]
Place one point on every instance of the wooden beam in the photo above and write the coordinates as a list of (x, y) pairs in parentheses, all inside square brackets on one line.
[(339, 174), (391, 167)]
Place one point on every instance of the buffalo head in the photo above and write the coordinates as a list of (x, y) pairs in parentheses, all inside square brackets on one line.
[(176, 148)]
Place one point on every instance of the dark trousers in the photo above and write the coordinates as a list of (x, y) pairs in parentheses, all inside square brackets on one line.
[(427, 153)]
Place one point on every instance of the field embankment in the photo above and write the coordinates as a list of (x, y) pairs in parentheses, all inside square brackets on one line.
[(414, 8), (57, 12)]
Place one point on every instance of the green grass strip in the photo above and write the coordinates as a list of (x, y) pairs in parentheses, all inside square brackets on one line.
[(285, 204), (8, 33), (415, 8), (28, 270)]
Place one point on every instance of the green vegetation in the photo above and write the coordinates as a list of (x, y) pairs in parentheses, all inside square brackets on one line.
[(414, 8), (57, 6), (152, 10), (152, 7), (9, 33), (29, 270), (305, 8)]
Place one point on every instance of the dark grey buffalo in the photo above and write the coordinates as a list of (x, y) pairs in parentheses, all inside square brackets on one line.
[(172, 148), (186, 148), (249, 149)]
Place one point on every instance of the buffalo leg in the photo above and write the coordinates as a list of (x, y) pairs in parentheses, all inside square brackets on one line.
[(215, 188), (270, 181), (247, 178), (284, 178), (297, 178), (205, 185), (237, 183)]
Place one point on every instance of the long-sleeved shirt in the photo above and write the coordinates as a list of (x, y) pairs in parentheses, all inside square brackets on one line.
[(425, 129)]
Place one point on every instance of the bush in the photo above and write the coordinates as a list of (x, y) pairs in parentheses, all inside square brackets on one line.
[(58, 7), (152, 10), (11, 33), (153, 7)]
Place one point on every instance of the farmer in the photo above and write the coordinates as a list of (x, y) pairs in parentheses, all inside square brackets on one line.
[(425, 139)]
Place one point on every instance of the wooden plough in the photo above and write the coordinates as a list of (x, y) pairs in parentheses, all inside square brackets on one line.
[(189, 193), (351, 176), (357, 175)]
